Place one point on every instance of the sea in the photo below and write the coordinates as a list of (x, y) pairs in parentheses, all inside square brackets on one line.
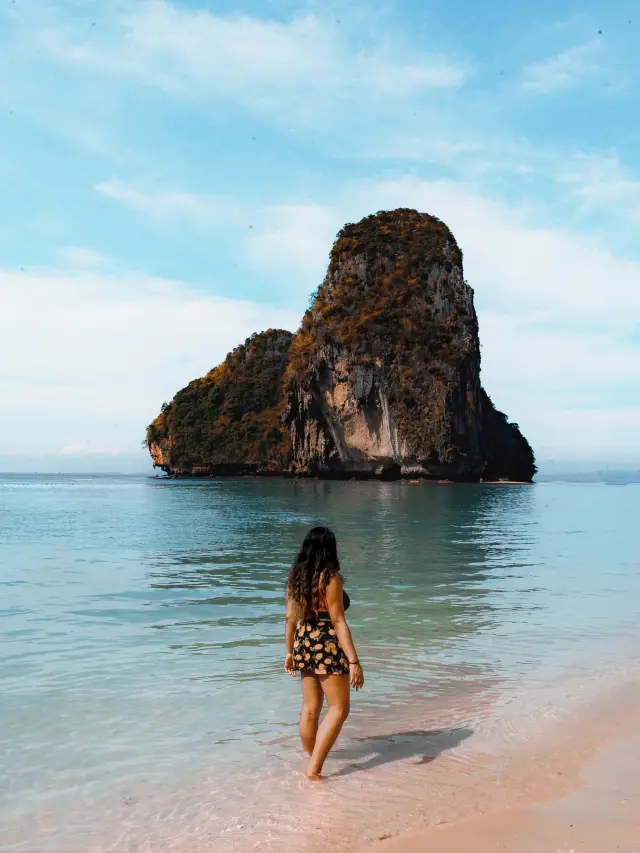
[(143, 703)]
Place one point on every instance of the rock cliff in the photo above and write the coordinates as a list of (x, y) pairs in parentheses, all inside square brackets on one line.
[(381, 380), (230, 421)]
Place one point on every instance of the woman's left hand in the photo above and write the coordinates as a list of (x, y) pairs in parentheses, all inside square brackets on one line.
[(289, 665), (356, 676)]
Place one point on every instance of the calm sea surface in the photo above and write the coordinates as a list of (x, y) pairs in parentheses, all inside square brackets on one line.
[(142, 700)]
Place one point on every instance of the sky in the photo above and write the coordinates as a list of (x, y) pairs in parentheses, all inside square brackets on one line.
[(174, 173)]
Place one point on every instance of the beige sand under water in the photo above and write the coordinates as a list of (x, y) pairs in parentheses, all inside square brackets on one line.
[(581, 794)]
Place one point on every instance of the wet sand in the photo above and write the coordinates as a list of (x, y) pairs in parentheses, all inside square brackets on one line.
[(554, 775), (581, 796)]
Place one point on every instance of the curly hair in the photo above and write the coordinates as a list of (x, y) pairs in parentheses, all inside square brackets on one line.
[(316, 563)]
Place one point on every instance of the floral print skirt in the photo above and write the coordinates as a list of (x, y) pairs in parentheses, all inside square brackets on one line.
[(316, 648)]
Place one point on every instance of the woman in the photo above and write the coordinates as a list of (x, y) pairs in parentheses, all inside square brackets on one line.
[(319, 644)]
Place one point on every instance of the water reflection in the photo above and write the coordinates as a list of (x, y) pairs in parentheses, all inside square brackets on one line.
[(420, 563)]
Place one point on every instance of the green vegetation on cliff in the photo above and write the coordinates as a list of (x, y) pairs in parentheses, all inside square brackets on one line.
[(232, 417), (374, 288)]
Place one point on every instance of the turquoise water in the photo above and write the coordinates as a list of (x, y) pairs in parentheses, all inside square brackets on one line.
[(141, 620)]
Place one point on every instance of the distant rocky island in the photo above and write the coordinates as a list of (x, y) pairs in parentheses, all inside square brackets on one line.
[(382, 380)]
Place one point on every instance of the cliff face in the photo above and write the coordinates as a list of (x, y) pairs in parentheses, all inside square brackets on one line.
[(230, 421), (382, 379), (384, 375)]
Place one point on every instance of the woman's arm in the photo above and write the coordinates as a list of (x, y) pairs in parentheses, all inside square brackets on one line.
[(289, 633), (335, 606)]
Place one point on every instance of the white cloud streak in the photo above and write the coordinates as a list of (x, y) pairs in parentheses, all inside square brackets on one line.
[(602, 185), (296, 236), (306, 64), (80, 257), (86, 358), (565, 70), (161, 205)]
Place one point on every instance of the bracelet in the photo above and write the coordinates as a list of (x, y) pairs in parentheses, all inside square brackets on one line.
[(354, 663)]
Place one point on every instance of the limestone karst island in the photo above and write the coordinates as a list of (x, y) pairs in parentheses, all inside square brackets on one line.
[(382, 380)]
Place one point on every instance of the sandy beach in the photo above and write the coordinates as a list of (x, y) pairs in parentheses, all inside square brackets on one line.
[(581, 794)]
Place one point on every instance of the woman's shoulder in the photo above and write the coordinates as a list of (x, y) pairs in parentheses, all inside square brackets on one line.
[(333, 581), (333, 589)]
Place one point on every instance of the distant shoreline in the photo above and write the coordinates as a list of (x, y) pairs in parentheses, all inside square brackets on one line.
[(426, 481)]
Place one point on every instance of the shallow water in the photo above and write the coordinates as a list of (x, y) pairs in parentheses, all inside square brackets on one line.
[(142, 703)]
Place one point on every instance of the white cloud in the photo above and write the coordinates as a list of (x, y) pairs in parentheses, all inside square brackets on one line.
[(86, 358), (306, 63), (297, 237), (606, 435), (363, 91), (84, 448), (601, 184), (80, 257), (565, 70), (171, 205), (291, 240), (572, 391)]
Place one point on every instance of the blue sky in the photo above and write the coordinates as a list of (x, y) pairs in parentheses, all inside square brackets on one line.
[(174, 174)]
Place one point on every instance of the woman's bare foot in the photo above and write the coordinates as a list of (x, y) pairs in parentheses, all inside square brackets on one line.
[(314, 777)]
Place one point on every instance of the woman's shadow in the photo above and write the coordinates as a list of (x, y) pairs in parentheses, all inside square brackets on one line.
[(426, 745)]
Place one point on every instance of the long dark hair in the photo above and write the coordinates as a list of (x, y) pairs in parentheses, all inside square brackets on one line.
[(317, 562)]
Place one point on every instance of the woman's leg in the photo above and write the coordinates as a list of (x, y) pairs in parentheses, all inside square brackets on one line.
[(336, 692), (312, 699)]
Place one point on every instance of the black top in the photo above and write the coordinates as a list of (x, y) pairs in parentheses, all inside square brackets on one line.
[(346, 602)]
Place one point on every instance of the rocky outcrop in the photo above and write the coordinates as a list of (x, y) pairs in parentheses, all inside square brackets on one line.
[(230, 421), (381, 380), (384, 378)]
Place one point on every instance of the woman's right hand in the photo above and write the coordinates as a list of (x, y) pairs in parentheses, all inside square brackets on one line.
[(356, 676)]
